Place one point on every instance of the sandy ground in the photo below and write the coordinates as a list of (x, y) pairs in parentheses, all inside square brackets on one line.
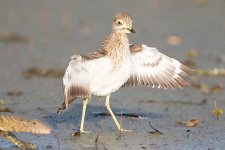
[(58, 29)]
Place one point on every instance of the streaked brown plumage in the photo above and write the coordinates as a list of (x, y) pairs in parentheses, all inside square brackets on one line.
[(118, 64)]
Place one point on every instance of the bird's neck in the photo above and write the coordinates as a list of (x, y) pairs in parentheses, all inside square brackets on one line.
[(116, 45)]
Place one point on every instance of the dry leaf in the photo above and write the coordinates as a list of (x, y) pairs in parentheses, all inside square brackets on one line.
[(192, 53), (173, 40), (208, 89), (13, 37), (20, 144), (217, 88), (43, 72), (3, 108), (190, 123), (14, 93), (204, 88), (13, 123), (190, 62)]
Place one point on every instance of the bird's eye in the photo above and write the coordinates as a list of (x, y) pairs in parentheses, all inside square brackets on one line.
[(119, 23)]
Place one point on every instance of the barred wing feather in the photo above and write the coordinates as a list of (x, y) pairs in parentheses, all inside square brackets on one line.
[(154, 69)]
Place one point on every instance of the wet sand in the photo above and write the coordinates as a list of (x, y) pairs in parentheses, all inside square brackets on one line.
[(52, 31)]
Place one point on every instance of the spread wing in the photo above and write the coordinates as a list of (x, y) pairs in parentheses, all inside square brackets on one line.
[(152, 68), (75, 82), (77, 76)]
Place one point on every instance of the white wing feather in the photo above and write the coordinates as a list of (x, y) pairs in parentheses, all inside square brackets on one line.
[(152, 68)]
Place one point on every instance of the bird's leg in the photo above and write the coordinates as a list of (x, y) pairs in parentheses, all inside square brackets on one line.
[(85, 102), (112, 114)]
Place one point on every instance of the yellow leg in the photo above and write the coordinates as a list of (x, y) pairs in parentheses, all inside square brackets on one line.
[(112, 114), (85, 102)]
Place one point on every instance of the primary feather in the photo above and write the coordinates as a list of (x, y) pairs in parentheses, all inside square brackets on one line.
[(152, 68)]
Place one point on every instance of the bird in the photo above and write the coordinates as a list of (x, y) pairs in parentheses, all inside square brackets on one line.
[(119, 64)]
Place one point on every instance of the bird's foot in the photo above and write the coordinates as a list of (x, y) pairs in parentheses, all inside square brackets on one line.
[(82, 131), (78, 133)]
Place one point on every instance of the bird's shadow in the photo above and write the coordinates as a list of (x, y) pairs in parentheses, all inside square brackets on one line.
[(73, 115)]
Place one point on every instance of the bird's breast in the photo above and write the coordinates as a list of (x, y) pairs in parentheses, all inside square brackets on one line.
[(112, 77)]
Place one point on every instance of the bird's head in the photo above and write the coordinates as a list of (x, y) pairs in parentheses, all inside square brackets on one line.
[(122, 23)]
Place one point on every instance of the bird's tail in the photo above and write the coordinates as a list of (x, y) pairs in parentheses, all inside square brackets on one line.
[(64, 105), (61, 109)]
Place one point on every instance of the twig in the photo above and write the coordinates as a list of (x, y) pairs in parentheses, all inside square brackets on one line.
[(97, 137), (204, 101), (155, 130), (13, 139), (216, 111), (125, 114), (121, 124)]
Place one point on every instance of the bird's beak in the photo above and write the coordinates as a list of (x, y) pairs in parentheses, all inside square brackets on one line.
[(131, 30)]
